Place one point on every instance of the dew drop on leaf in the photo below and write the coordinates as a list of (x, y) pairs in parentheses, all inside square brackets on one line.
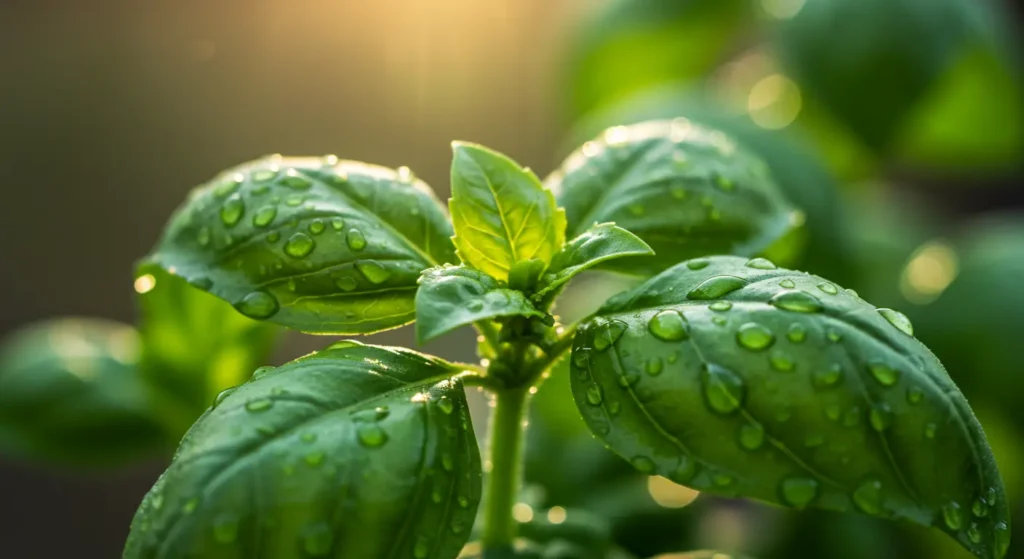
[(225, 528), (914, 395), (761, 264), (751, 436), (264, 216), (371, 435), (299, 245), (654, 366), (643, 464), (259, 405), (373, 271), (608, 333), (337, 223), (797, 301), (258, 305), (828, 377), (232, 210), (868, 496), (723, 390), (355, 240), (798, 492), (292, 179), (720, 306), (883, 373), (797, 333), (669, 325), (754, 336), (715, 287), (781, 361), (263, 175), (880, 416), (899, 320), (787, 283), (829, 288), (316, 226), (222, 396), (952, 515), (595, 395), (697, 263), (346, 283)]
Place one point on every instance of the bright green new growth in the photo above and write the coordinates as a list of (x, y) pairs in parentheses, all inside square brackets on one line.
[(726, 374)]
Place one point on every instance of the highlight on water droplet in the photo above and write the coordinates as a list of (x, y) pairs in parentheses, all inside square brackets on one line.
[(299, 245), (797, 301), (899, 320), (723, 390), (761, 264), (355, 240), (829, 288), (232, 210), (258, 304), (952, 515), (715, 287), (264, 216), (697, 263)]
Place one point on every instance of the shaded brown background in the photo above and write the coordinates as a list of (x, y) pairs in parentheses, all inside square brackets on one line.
[(110, 111)]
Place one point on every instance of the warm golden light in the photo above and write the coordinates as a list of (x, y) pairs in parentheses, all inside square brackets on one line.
[(556, 515), (669, 494), (145, 283), (929, 271), (774, 102), (522, 512)]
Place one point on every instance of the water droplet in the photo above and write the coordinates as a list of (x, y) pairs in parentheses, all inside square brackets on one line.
[(751, 436), (797, 333), (595, 395), (719, 320), (829, 377), (643, 464), (201, 282), (720, 306), (475, 306), (373, 271), (264, 216), (1002, 534), (797, 301), (292, 179), (316, 226), (607, 333), (754, 336), (715, 287), (761, 264), (979, 509), (834, 336), (798, 492), (225, 528), (787, 283), (190, 505), (261, 372), (899, 320), (781, 361), (299, 245), (371, 435), (222, 396), (953, 516), (314, 459), (697, 263), (346, 283), (880, 417), (829, 288), (273, 237), (355, 239), (157, 501), (259, 405), (446, 405), (670, 326), (684, 471), (654, 366), (258, 305), (232, 210), (317, 539), (723, 480), (264, 175), (883, 373), (337, 223), (929, 431), (228, 186), (868, 496), (914, 395), (973, 533), (723, 390)]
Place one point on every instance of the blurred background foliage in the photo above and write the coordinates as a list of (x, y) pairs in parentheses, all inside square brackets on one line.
[(896, 126)]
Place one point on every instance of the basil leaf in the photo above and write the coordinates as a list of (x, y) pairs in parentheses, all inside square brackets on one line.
[(355, 451), (738, 378), (899, 47), (501, 212), (324, 247), (71, 394), (193, 346), (600, 243), (454, 296), (684, 190)]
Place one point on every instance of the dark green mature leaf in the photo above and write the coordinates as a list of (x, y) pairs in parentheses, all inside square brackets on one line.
[(322, 246), (70, 393), (454, 296), (738, 378), (633, 44), (684, 190), (502, 213), (194, 345), (600, 243), (355, 451), (870, 61)]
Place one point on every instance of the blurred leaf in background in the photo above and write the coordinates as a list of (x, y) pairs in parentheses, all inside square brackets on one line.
[(71, 394)]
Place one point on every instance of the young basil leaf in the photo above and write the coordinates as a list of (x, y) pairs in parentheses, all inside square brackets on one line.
[(738, 378), (454, 296), (355, 451), (194, 345), (325, 247), (71, 394), (501, 212), (600, 243), (683, 189)]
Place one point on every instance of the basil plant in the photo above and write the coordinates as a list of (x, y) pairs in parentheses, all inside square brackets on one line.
[(722, 371)]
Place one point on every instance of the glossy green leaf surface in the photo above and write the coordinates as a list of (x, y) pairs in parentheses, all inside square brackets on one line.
[(318, 245), (870, 61), (194, 345), (355, 451), (683, 189), (71, 394), (454, 296), (632, 44), (501, 212), (738, 378), (600, 243)]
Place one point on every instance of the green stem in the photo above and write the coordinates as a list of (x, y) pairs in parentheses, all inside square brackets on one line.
[(505, 476)]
